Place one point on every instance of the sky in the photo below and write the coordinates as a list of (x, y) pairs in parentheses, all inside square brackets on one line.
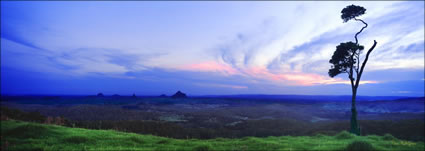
[(206, 48)]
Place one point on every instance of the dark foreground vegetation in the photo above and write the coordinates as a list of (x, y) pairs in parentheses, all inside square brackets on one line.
[(402, 129), (206, 118), (18, 135)]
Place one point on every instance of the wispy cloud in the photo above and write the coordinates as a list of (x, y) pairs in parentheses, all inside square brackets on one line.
[(304, 79), (302, 57), (221, 85), (281, 44), (402, 92), (210, 66)]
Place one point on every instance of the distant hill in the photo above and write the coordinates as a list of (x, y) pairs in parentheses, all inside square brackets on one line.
[(240, 96), (179, 94), (309, 97)]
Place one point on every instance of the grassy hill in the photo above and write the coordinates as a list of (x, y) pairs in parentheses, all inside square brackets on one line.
[(18, 135)]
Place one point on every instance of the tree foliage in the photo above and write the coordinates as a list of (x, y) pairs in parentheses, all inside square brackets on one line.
[(345, 57), (352, 11)]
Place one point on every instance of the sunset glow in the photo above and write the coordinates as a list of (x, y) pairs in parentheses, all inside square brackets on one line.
[(205, 47)]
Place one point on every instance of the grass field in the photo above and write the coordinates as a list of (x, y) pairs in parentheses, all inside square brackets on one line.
[(18, 135)]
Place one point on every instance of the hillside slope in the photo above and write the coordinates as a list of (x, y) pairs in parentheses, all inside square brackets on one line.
[(18, 135)]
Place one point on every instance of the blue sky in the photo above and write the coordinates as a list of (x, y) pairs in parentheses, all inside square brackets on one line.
[(202, 48)]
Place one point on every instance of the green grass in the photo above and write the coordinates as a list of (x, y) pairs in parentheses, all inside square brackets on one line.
[(32, 136)]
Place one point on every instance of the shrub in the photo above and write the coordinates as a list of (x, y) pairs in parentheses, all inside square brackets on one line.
[(28, 131), (55, 120), (388, 137), (344, 135), (32, 148), (8, 113), (49, 120), (4, 118), (5, 145), (164, 141), (59, 121), (319, 135), (374, 137), (324, 132), (202, 148), (360, 146), (136, 140)]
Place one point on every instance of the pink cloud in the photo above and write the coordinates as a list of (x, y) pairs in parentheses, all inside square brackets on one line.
[(222, 85), (296, 78), (305, 79), (210, 66)]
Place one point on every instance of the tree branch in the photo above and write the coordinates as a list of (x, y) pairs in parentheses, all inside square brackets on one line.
[(360, 30), (364, 63), (358, 63), (350, 75), (352, 82)]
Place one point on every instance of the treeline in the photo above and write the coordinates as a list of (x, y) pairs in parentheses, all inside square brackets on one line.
[(404, 129)]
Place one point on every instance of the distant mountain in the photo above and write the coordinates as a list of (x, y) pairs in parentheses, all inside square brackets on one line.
[(179, 95), (100, 95)]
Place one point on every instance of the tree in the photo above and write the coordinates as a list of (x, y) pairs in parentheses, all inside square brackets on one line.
[(346, 59)]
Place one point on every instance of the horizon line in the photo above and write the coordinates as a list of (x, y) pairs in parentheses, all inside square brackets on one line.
[(208, 95)]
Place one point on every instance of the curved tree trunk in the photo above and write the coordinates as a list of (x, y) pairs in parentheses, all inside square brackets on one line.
[(355, 129)]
